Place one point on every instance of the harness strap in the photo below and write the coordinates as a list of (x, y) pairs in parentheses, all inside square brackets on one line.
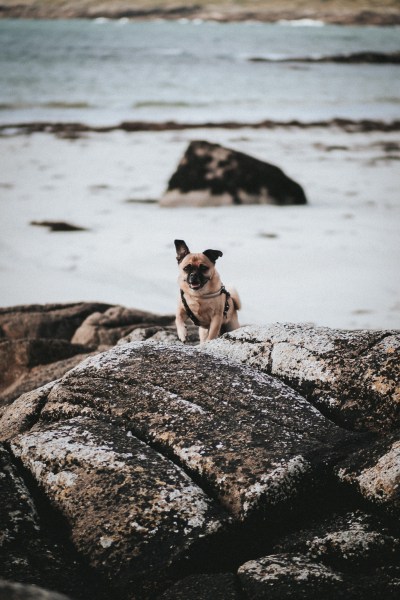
[(191, 314), (227, 296)]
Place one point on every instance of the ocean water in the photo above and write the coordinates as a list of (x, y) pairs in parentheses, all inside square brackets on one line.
[(105, 72)]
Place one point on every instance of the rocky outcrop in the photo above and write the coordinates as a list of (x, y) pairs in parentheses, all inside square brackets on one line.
[(29, 363), (106, 328), (356, 541), (58, 321), (211, 175), (344, 556), (353, 377), (38, 344), (383, 13), (158, 470), (237, 446), (294, 576), (163, 394)]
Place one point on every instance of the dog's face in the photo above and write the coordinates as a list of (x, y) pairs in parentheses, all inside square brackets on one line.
[(195, 269)]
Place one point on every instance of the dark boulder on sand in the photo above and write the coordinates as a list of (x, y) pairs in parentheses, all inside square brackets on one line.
[(211, 175)]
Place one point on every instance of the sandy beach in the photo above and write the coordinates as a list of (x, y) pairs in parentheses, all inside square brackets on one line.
[(333, 262)]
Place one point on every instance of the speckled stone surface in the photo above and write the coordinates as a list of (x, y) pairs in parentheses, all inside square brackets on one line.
[(132, 512), (297, 576), (356, 541), (212, 586), (106, 328), (163, 460), (374, 472), (353, 377), (289, 576), (212, 175), (57, 321), (29, 552), (250, 440)]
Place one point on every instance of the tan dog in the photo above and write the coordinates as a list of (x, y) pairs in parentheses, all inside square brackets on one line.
[(203, 298)]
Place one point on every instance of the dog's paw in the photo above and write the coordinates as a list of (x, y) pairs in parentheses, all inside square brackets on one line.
[(182, 334)]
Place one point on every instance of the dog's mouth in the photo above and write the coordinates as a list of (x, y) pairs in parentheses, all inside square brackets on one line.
[(195, 285)]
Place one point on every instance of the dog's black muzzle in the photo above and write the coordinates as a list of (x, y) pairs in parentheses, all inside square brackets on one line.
[(196, 279)]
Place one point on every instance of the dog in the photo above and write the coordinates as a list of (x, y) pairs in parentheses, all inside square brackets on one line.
[(203, 298)]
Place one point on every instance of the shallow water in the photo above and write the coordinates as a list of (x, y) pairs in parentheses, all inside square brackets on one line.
[(104, 72)]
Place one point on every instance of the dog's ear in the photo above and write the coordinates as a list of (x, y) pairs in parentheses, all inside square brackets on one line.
[(212, 254), (181, 250)]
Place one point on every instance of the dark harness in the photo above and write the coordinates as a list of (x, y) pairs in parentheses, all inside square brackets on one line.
[(191, 314)]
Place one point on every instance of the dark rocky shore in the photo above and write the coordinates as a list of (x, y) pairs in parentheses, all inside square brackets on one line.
[(364, 14), (264, 464)]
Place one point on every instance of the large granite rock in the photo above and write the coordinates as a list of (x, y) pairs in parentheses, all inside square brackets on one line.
[(149, 468), (172, 397), (211, 175), (353, 377), (241, 443)]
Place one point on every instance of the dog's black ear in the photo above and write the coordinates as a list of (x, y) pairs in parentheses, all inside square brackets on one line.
[(181, 250), (212, 254)]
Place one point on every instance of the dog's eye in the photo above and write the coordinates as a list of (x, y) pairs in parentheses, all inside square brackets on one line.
[(188, 268), (203, 268)]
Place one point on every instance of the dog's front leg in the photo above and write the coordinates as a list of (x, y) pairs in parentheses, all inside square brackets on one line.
[(215, 328), (203, 334), (180, 324)]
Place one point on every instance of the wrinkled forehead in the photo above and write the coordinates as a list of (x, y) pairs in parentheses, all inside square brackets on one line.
[(196, 260)]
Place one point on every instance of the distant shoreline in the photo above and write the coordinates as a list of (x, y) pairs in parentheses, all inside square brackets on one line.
[(74, 130), (223, 14)]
